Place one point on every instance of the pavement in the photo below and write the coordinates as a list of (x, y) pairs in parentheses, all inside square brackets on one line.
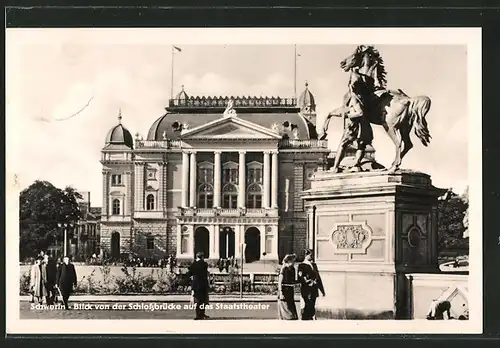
[(166, 298)]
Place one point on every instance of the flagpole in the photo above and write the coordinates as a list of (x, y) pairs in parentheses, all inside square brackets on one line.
[(172, 77), (295, 73)]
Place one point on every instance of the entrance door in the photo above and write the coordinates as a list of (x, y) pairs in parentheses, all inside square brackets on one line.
[(226, 243), (115, 245), (202, 241), (252, 244)]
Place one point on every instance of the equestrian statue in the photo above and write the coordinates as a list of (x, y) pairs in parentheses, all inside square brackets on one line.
[(367, 102)]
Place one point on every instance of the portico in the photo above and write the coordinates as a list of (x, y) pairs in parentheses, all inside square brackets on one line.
[(229, 191)]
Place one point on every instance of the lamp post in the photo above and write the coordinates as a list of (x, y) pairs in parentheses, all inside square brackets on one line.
[(65, 226)]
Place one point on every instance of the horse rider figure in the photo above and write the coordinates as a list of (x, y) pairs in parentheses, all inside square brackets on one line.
[(357, 127)]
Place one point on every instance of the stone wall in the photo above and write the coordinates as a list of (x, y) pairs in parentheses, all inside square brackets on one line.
[(125, 236), (157, 230)]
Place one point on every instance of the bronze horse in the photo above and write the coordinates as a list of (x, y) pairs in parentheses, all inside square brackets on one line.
[(394, 110)]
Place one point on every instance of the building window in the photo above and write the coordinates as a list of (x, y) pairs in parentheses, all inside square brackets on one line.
[(230, 173), (150, 243), (230, 196), (205, 196), (150, 202), (205, 174), (116, 207), (184, 240), (116, 179), (254, 173), (254, 196)]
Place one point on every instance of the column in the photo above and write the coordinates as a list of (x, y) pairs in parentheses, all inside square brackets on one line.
[(241, 181), (139, 187), (310, 228), (217, 179), (192, 180), (216, 229), (105, 197), (179, 240), (185, 178), (263, 235), (237, 242), (266, 180), (274, 181), (191, 241), (161, 188), (128, 208)]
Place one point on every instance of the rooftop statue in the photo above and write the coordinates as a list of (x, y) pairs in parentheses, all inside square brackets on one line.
[(367, 102), (230, 112)]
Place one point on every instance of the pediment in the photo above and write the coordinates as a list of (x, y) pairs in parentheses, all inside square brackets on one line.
[(231, 128)]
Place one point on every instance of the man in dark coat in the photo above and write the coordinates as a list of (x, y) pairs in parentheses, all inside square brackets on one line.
[(198, 272), (49, 274), (66, 280), (310, 286)]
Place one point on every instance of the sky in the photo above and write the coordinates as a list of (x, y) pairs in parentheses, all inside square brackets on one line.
[(54, 78)]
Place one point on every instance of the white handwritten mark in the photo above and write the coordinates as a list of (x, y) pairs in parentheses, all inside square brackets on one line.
[(498, 240)]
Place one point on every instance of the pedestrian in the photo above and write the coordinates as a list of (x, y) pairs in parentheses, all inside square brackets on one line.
[(49, 274), (310, 286), (198, 272), (66, 280), (37, 287), (286, 283)]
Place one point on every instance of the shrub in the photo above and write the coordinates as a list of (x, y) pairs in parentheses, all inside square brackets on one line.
[(24, 284), (168, 282), (134, 282)]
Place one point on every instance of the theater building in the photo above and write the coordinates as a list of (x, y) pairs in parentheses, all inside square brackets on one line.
[(221, 175)]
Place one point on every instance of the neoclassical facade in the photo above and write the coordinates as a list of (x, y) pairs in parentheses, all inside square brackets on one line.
[(221, 175)]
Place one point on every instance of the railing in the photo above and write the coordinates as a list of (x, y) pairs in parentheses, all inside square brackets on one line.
[(226, 212), (158, 144), (283, 144), (221, 102), (303, 144)]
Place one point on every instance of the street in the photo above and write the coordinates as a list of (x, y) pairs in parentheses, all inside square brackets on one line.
[(151, 310)]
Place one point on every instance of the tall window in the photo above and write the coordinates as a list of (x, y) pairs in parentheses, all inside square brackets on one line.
[(150, 243), (230, 173), (230, 196), (205, 196), (254, 173), (116, 207), (254, 196), (150, 202), (205, 185), (116, 179)]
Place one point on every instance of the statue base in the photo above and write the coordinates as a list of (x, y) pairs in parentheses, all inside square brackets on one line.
[(367, 231)]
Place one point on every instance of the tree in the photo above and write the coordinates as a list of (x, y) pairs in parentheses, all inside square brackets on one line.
[(451, 213), (42, 207)]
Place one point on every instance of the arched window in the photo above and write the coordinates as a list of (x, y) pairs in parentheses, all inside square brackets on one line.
[(254, 196), (150, 202), (116, 207), (205, 196), (230, 196)]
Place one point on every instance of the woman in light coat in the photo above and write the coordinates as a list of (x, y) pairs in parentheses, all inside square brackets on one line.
[(37, 285)]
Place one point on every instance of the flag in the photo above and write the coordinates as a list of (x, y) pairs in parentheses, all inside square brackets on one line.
[(298, 55), (177, 49)]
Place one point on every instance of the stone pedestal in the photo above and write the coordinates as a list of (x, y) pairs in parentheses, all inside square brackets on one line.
[(368, 230)]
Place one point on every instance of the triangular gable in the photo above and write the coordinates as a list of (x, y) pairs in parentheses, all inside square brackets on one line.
[(230, 128)]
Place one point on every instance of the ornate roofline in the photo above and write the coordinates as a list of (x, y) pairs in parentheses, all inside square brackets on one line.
[(239, 102)]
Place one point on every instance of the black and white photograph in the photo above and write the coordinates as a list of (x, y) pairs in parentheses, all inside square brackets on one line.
[(244, 180)]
